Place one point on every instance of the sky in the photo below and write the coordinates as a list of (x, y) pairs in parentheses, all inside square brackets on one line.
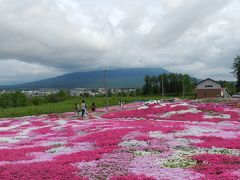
[(47, 38)]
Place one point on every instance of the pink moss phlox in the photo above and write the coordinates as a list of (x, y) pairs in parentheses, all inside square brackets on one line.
[(126, 143), (6, 124), (8, 133), (53, 116), (83, 156), (145, 126), (66, 131), (38, 123), (187, 117), (144, 113), (212, 141), (106, 138), (217, 166), (44, 130), (115, 164), (143, 138), (39, 171), (19, 154), (132, 177)]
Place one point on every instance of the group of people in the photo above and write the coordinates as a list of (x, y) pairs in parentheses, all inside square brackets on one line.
[(83, 108)]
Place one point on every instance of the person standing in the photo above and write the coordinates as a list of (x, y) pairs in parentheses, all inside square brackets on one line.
[(77, 109), (120, 104), (93, 107), (84, 108)]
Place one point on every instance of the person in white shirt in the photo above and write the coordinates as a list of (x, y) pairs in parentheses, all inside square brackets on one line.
[(84, 108)]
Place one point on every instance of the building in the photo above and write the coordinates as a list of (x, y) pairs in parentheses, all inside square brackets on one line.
[(209, 88)]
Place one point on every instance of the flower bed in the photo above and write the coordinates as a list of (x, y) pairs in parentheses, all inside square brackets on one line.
[(182, 140)]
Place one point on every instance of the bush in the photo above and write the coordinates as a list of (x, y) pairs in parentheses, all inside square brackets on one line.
[(13, 99)]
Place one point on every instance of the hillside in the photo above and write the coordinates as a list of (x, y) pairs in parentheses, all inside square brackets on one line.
[(119, 78)]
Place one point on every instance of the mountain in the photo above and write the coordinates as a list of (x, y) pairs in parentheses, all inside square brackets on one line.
[(119, 78)]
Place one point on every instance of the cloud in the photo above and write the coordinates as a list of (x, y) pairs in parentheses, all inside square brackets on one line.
[(15, 72), (58, 36)]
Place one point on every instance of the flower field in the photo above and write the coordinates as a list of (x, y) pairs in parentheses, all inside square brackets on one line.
[(181, 140)]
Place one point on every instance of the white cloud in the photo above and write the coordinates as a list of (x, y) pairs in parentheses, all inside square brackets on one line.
[(190, 36), (14, 72)]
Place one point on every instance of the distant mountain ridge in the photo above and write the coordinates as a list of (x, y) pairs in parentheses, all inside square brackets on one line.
[(118, 78)]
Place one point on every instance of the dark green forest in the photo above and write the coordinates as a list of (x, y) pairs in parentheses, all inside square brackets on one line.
[(172, 84), (19, 99)]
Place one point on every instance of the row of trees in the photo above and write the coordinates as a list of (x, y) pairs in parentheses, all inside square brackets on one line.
[(236, 69), (19, 99), (13, 99), (172, 84)]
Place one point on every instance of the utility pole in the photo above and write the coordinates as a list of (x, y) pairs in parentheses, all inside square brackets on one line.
[(162, 89), (106, 90), (234, 88)]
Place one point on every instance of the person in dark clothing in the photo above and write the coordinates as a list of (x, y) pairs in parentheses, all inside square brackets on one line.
[(93, 107)]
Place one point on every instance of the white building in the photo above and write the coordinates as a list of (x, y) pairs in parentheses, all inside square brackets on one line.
[(210, 88)]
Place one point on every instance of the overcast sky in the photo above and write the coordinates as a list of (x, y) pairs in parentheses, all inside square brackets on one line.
[(46, 38)]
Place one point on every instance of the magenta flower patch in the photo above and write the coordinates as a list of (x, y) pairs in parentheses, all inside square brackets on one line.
[(182, 140)]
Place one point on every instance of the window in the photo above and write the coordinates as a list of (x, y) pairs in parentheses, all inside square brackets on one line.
[(208, 86)]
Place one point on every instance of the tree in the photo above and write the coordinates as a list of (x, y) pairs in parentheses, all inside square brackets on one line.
[(109, 93), (37, 100), (139, 92), (62, 95), (236, 69), (19, 99), (146, 87), (188, 83), (172, 84), (155, 87), (5, 100)]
